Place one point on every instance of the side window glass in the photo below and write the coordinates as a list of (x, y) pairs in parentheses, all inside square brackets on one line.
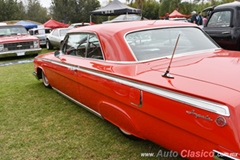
[(31, 32), (82, 45), (55, 33), (75, 45), (238, 13), (220, 19), (93, 47), (47, 31)]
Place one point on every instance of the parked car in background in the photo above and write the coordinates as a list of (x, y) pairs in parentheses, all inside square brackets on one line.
[(76, 25), (126, 18), (41, 34), (55, 38), (178, 19), (223, 25), (3, 23), (154, 80), (15, 41)]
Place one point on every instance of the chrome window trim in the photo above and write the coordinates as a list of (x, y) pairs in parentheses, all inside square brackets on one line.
[(186, 99)]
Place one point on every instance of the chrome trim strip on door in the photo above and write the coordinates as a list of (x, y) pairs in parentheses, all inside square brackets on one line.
[(193, 101), (190, 100)]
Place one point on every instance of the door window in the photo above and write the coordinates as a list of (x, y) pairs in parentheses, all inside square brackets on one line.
[(82, 45), (220, 19)]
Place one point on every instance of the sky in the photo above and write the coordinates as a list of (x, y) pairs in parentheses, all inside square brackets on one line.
[(47, 3)]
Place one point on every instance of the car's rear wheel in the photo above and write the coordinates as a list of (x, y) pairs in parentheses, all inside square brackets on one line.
[(45, 81), (48, 45)]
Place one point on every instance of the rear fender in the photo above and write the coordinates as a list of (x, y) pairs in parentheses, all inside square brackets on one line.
[(119, 118)]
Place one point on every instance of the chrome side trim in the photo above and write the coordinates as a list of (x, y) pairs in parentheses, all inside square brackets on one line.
[(84, 106), (190, 100), (193, 101), (224, 156)]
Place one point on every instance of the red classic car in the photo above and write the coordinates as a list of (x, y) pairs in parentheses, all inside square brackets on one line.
[(163, 81)]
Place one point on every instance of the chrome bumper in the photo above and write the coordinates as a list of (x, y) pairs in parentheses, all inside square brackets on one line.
[(20, 52), (35, 75)]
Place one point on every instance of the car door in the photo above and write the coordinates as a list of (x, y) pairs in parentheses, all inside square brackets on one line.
[(86, 48), (219, 28), (63, 76), (91, 84), (54, 37)]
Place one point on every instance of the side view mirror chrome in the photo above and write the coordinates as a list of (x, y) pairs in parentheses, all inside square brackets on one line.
[(56, 53)]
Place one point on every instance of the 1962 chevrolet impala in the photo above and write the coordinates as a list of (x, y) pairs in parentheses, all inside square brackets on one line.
[(153, 80)]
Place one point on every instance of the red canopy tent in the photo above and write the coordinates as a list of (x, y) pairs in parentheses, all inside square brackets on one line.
[(54, 24), (176, 14)]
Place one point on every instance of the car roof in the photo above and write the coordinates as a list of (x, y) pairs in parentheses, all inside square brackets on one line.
[(62, 29), (80, 23), (11, 25), (111, 35), (129, 26), (39, 28), (234, 4)]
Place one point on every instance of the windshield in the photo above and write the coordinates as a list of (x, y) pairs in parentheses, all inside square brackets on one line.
[(12, 30), (151, 44)]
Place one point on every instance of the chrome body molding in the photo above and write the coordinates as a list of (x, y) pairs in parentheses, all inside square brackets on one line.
[(193, 101), (84, 106), (182, 98)]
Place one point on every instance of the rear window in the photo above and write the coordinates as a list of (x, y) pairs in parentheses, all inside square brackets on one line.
[(152, 44)]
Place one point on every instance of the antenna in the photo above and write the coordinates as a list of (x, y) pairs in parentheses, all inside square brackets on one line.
[(166, 74)]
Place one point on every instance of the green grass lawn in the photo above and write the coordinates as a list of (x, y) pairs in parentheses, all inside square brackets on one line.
[(37, 123)]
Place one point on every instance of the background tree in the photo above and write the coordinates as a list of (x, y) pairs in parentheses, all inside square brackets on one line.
[(139, 3), (165, 7), (174, 5), (150, 9), (72, 11), (36, 12), (186, 8), (9, 10)]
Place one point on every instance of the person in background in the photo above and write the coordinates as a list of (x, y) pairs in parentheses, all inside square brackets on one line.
[(166, 16), (194, 17), (199, 18), (204, 20)]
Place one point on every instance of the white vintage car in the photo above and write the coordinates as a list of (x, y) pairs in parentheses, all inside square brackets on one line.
[(41, 34)]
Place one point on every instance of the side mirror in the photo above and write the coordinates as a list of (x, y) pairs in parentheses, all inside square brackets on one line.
[(57, 53)]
